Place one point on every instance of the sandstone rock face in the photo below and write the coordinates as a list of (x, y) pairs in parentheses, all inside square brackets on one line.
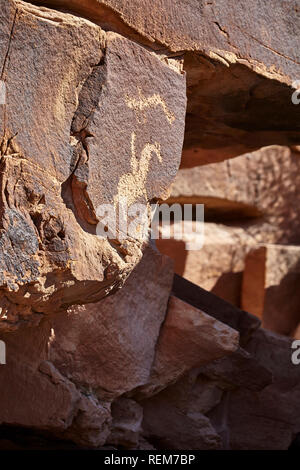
[(101, 345), (254, 196), (109, 346), (218, 265), (270, 287), (239, 77), (216, 307), (102, 99), (37, 396), (82, 360), (188, 338)]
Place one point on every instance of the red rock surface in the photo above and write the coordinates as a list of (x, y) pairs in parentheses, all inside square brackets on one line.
[(102, 345)]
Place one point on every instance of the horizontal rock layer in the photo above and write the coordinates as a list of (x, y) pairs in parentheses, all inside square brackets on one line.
[(101, 345)]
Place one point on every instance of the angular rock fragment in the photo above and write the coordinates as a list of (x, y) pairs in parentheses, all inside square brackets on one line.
[(89, 123), (176, 417), (239, 369)]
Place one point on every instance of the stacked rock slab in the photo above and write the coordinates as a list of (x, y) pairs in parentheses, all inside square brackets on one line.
[(239, 76), (242, 401), (188, 338), (257, 190), (217, 265), (76, 363), (253, 199), (271, 283), (109, 346), (218, 415)]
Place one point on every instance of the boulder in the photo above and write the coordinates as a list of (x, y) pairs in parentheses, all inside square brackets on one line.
[(102, 98)]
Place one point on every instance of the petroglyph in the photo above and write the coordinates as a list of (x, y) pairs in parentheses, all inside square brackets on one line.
[(142, 103), (132, 185)]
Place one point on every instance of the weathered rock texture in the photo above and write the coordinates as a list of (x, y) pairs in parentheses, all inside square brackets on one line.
[(259, 190), (253, 197), (188, 338), (105, 346), (109, 346), (83, 359), (218, 265), (89, 123)]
